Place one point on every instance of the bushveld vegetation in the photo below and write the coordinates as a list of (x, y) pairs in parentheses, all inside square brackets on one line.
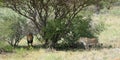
[(55, 24)]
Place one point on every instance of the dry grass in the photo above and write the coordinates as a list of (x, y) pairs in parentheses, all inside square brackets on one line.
[(104, 54), (111, 34)]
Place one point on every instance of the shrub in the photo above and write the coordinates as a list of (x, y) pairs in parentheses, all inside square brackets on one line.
[(11, 25)]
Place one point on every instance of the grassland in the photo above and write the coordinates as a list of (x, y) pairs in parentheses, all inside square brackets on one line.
[(104, 54), (110, 36)]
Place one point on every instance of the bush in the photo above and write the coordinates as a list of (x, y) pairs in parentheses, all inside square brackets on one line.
[(11, 25), (4, 47), (81, 27)]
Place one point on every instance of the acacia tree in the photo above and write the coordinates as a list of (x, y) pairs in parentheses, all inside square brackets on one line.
[(42, 11)]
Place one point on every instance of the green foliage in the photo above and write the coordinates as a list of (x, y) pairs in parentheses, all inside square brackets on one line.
[(2, 44), (8, 48), (107, 3), (54, 27), (5, 47), (1, 2), (80, 27), (54, 31), (57, 31), (97, 28), (115, 11), (11, 25)]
